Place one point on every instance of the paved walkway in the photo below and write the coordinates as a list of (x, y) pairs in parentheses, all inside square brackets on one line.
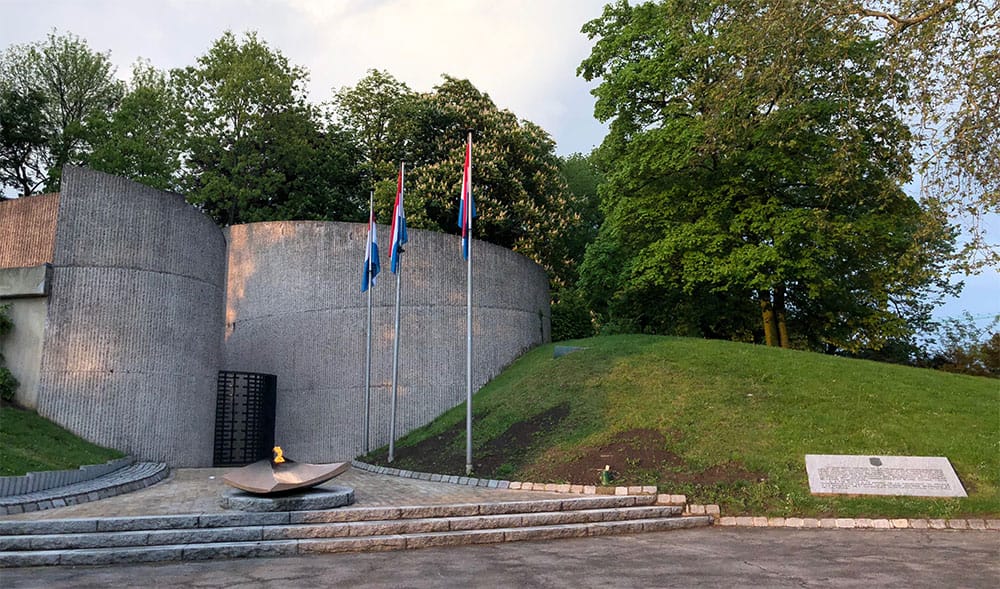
[(702, 558), (197, 490)]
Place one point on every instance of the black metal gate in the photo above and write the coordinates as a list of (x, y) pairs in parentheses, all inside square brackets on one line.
[(244, 417)]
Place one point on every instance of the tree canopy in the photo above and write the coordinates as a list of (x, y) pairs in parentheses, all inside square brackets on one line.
[(755, 163), (255, 149), (49, 92), (521, 196)]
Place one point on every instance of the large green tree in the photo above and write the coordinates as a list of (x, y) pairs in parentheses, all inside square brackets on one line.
[(51, 90), (521, 197), (756, 162), (142, 138), (255, 149), (947, 52)]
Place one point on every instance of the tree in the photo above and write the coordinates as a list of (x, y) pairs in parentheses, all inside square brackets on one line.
[(754, 159), (383, 114), (255, 150), (68, 83), (141, 139), (947, 52), (960, 345), (521, 198), (24, 156)]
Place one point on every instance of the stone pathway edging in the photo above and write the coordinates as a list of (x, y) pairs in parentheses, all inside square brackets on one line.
[(51, 479), (513, 485), (696, 509), (136, 476), (847, 523)]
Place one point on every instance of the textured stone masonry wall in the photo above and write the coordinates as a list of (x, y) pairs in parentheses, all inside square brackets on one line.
[(133, 339), (295, 309)]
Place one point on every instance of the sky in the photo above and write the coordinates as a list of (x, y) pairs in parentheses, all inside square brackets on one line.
[(523, 53)]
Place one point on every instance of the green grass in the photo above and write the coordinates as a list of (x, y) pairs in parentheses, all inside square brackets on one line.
[(30, 443), (722, 403)]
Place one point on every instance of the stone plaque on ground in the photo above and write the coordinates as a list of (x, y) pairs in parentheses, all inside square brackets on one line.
[(918, 476)]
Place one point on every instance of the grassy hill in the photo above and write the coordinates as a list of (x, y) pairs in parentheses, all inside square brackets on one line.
[(721, 422), (30, 443)]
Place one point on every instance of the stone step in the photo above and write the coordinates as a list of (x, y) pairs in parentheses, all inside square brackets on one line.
[(256, 532), (343, 514), (290, 547)]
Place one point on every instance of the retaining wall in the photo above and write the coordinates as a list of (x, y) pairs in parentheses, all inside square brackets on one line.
[(133, 343), (294, 308)]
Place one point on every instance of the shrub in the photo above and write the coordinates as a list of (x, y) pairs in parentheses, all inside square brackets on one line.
[(570, 317)]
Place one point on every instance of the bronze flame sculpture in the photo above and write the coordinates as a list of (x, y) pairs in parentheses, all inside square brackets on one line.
[(280, 474)]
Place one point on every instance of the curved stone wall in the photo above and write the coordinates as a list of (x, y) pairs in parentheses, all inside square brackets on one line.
[(294, 308), (132, 342)]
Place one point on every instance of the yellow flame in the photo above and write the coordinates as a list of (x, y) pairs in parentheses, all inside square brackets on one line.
[(278, 455)]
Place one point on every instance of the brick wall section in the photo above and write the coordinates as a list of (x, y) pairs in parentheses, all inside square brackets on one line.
[(28, 230)]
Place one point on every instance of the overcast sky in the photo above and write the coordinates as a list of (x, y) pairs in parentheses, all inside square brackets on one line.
[(523, 53)]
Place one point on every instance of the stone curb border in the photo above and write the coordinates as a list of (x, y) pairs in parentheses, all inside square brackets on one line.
[(513, 485), (854, 523), (124, 480), (50, 479), (695, 509)]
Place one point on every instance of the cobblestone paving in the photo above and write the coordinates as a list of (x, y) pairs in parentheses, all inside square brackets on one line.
[(197, 490)]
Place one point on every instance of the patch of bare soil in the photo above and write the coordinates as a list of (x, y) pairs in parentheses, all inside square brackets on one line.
[(636, 457), (445, 452)]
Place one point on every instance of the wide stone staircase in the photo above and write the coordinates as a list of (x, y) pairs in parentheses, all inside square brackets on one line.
[(102, 541)]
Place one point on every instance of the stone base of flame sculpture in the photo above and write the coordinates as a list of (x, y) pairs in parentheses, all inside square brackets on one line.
[(328, 497)]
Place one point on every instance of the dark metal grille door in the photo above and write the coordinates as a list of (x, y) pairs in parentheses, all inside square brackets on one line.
[(244, 417)]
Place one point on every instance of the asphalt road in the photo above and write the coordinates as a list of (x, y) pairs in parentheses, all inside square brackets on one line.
[(713, 557)]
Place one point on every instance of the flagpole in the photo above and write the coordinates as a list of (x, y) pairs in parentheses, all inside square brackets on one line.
[(395, 345), (468, 324), (368, 344)]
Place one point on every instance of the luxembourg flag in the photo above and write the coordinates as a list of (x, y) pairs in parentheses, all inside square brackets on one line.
[(467, 206), (371, 256), (398, 225)]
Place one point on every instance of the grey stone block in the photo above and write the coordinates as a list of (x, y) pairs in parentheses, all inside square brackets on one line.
[(53, 526), (147, 522), (306, 531), (366, 544), (544, 533), (206, 536), (30, 559), (222, 520)]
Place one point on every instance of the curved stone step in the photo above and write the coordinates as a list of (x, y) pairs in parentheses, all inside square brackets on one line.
[(252, 533), (266, 548), (343, 514)]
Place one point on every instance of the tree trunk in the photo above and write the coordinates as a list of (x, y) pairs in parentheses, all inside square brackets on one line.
[(767, 314), (779, 313)]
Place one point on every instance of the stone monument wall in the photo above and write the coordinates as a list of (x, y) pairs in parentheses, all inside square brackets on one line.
[(133, 341), (294, 308)]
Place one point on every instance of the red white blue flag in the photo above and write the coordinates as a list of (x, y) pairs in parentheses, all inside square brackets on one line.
[(466, 207), (398, 226), (371, 256)]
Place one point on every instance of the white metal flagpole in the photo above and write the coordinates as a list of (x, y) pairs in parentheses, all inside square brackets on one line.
[(368, 345), (395, 345), (468, 322)]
